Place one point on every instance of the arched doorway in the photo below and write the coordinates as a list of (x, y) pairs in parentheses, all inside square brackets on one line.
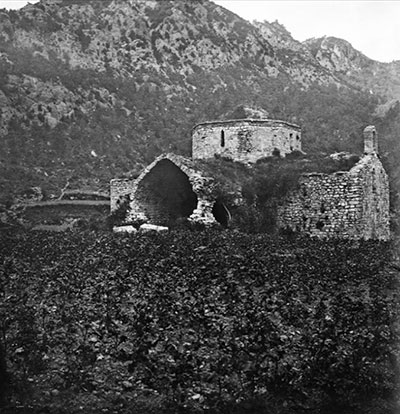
[(165, 194), (221, 214)]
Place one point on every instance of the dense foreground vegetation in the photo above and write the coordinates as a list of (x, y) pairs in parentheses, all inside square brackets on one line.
[(196, 322)]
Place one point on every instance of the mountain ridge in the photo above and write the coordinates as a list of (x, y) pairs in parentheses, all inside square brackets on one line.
[(90, 90)]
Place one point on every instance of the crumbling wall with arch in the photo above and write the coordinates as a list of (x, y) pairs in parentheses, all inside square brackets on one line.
[(170, 188), (346, 204)]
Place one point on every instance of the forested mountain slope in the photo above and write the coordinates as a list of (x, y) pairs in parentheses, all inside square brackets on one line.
[(90, 90)]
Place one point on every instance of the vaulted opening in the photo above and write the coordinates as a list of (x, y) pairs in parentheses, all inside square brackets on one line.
[(165, 194), (221, 213)]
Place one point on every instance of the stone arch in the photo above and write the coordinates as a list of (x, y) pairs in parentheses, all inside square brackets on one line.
[(221, 213), (171, 188), (165, 194)]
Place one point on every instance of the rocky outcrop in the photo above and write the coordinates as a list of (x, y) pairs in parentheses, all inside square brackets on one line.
[(354, 68), (296, 57), (123, 38), (49, 102), (337, 55), (126, 36)]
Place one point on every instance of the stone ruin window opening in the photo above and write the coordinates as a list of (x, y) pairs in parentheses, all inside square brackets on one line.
[(165, 194), (276, 152), (221, 213), (222, 138)]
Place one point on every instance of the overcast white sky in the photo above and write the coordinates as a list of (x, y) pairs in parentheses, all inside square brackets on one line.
[(370, 26)]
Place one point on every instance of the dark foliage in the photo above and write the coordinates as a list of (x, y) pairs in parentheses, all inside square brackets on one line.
[(4, 377), (198, 322)]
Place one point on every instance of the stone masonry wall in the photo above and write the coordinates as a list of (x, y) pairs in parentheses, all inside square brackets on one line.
[(347, 204), (353, 204), (119, 189), (245, 140), (375, 221), (165, 194), (169, 188)]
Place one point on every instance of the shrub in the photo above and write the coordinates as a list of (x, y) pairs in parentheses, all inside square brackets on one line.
[(198, 321), (296, 154)]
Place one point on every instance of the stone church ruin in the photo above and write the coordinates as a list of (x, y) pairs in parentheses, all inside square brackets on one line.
[(346, 204), (170, 188), (245, 140)]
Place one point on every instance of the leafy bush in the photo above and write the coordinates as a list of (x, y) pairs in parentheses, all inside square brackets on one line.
[(262, 186), (198, 322)]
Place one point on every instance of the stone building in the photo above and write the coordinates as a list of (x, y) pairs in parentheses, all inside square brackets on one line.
[(245, 140), (347, 204), (170, 188)]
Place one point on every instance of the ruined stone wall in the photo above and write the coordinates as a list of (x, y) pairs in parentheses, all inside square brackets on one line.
[(375, 221), (325, 206), (165, 194), (119, 188), (169, 188), (58, 212), (245, 140), (352, 204)]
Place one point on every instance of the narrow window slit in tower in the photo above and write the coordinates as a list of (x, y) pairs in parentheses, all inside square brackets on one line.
[(222, 138)]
